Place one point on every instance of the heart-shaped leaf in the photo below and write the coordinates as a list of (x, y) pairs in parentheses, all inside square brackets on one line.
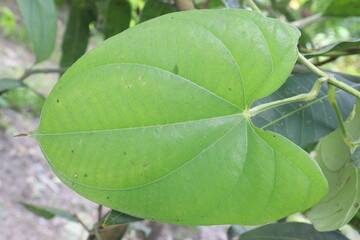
[(154, 122)]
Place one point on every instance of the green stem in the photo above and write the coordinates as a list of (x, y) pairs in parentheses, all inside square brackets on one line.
[(344, 86), (253, 6), (301, 97), (332, 79), (311, 66), (307, 21), (334, 105)]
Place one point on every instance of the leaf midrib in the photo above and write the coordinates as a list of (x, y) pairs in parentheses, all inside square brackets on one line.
[(151, 182), (36, 134)]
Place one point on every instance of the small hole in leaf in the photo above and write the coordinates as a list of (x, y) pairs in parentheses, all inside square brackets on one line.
[(75, 175)]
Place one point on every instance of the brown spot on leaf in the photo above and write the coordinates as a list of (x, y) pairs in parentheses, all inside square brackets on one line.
[(356, 205)]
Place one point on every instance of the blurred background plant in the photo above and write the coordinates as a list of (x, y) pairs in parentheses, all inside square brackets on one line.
[(40, 39)]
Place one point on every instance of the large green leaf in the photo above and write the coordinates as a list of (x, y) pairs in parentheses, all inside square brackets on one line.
[(339, 8), (290, 231), (303, 122), (155, 8), (154, 123), (40, 19), (345, 47), (343, 199), (77, 32), (117, 17)]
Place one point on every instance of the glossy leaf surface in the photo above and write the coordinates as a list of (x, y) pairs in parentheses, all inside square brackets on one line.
[(153, 122), (40, 19), (77, 32), (349, 45), (308, 121), (290, 231), (117, 17), (155, 8), (343, 199)]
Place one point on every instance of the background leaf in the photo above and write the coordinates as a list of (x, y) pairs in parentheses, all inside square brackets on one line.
[(303, 122), (117, 17), (9, 83), (234, 231), (346, 47), (77, 31), (355, 158), (115, 218), (139, 123), (48, 212), (338, 8), (298, 231), (40, 19), (343, 199), (155, 8)]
